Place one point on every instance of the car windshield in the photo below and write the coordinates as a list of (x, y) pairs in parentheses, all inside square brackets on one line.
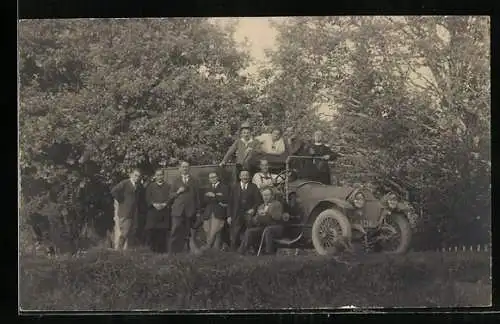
[(299, 167)]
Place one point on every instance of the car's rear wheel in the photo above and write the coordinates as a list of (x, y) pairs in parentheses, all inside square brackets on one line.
[(331, 231), (395, 235)]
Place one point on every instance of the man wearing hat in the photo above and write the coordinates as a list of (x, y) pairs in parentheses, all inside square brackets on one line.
[(243, 147)]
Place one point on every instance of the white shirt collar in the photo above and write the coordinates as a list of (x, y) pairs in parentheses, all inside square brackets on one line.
[(316, 143), (245, 141)]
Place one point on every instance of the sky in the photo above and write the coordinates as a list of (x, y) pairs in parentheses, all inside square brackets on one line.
[(259, 34)]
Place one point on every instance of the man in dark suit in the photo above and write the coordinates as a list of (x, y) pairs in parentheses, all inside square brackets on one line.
[(267, 223), (158, 214), (319, 170), (215, 203), (245, 198), (126, 201), (185, 208)]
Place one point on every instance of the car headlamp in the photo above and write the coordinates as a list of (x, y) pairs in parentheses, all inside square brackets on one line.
[(359, 200), (392, 201)]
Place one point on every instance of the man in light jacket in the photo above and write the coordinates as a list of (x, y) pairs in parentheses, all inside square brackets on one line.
[(126, 202), (243, 147), (272, 143)]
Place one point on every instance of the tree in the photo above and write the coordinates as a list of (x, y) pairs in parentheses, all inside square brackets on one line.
[(411, 94), (101, 96)]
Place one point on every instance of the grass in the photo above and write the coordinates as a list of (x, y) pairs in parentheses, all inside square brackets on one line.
[(108, 280)]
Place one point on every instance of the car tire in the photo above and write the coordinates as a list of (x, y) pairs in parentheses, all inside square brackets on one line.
[(404, 228), (320, 243)]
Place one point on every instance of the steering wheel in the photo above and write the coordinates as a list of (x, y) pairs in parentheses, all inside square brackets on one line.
[(279, 182)]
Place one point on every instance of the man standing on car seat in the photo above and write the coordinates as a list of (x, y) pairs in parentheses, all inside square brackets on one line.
[(273, 143), (318, 168), (243, 147)]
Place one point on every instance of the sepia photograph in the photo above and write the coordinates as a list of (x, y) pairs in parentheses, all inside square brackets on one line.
[(254, 163)]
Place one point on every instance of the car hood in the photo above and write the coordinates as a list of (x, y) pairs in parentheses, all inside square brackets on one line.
[(317, 191), (310, 193)]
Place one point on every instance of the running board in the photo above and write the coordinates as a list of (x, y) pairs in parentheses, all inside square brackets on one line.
[(289, 242)]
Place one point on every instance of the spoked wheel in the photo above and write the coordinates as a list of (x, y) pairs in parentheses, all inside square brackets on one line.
[(331, 230), (394, 235)]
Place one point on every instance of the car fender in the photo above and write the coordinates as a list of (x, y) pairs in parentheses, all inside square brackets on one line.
[(344, 204), (320, 205)]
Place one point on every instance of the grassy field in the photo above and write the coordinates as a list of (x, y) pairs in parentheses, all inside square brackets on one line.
[(108, 280)]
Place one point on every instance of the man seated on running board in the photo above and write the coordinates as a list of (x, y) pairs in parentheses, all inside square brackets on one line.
[(266, 225)]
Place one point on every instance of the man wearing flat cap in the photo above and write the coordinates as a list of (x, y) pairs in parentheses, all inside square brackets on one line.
[(243, 147)]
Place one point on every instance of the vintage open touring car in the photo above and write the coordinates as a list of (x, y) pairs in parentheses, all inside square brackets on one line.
[(319, 216)]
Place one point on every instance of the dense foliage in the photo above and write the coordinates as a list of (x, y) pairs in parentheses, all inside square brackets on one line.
[(101, 96), (410, 100), (98, 96)]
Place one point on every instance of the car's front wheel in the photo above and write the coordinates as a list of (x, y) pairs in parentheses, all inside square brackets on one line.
[(331, 231), (394, 235)]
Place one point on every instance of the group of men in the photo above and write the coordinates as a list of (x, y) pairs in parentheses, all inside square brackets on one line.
[(241, 215)]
